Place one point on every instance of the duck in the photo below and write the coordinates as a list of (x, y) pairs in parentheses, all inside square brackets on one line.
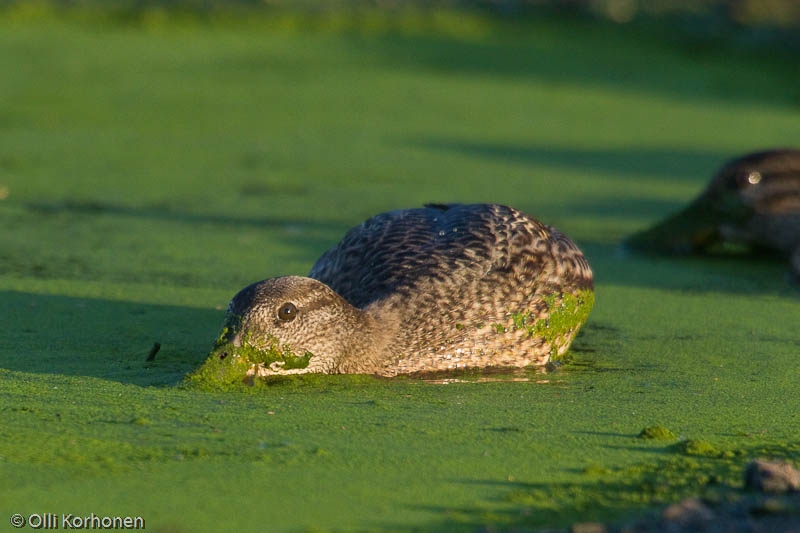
[(751, 204), (414, 291)]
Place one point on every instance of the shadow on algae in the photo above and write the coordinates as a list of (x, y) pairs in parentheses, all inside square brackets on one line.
[(636, 164), (682, 469), (104, 339), (550, 56)]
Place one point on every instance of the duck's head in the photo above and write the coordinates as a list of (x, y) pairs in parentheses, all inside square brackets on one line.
[(286, 325), (759, 188)]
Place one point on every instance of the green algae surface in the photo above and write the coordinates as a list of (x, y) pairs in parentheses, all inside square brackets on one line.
[(117, 135)]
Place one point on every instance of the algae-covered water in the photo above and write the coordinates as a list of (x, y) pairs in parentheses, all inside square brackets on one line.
[(151, 169)]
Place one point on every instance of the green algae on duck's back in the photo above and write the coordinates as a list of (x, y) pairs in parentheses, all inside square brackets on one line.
[(566, 314)]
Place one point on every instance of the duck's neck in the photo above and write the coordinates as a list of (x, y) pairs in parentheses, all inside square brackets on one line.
[(368, 343)]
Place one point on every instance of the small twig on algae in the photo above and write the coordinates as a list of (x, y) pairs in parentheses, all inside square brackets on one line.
[(153, 351)]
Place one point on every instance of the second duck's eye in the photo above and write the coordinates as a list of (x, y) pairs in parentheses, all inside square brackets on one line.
[(748, 179), (287, 312)]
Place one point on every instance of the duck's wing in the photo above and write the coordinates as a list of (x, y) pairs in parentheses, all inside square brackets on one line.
[(448, 243)]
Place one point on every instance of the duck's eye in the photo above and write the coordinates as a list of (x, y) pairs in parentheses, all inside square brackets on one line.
[(753, 177), (287, 312)]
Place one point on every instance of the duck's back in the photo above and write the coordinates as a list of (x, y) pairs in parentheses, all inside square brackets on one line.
[(452, 244)]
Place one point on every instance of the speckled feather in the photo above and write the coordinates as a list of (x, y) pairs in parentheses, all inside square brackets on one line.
[(433, 289), (405, 250)]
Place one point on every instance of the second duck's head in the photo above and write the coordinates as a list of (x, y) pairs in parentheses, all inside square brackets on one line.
[(758, 189)]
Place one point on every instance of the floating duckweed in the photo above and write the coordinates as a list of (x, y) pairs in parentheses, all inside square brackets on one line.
[(698, 447), (657, 433), (597, 470)]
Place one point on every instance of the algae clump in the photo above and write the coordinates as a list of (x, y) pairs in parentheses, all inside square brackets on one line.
[(657, 433), (698, 447)]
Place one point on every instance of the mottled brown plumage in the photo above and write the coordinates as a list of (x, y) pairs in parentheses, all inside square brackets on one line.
[(753, 201), (418, 290)]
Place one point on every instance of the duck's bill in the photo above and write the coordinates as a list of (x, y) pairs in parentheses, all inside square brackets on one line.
[(234, 360), (693, 229), (227, 365)]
